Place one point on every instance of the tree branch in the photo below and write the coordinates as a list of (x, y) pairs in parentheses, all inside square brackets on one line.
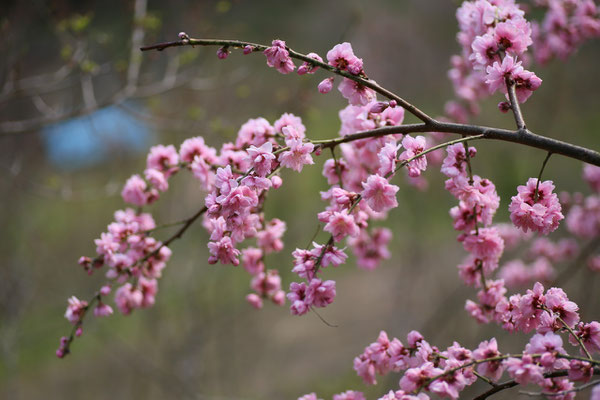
[(521, 136), (294, 54)]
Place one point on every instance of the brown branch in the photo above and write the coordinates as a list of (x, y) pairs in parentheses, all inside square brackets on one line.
[(363, 80), (511, 383), (514, 104)]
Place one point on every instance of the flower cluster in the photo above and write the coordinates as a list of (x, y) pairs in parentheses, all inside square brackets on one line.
[(428, 370), (535, 207), (566, 25), (494, 37)]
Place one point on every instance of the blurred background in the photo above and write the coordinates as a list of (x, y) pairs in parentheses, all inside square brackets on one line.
[(79, 108)]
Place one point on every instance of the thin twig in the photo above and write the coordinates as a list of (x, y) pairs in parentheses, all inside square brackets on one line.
[(363, 80), (562, 393), (514, 103)]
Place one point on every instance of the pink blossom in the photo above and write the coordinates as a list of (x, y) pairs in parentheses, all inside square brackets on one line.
[(515, 273), (591, 174), (279, 58), (203, 172), (252, 260), (254, 300), (340, 225), (414, 147), (387, 159), (319, 293), (266, 284), (308, 67), (128, 298), (330, 255), (261, 158), (589, 333), (539, 211), (254, 132), (379, 194), (192, 147), (290, 120), (222, 53), (580, 370), (491, 369), (526, 82), (107, 244), (297, 156), (486, 245), (156, 179), (485, 51), (524, 370), (371, 247), (134, 191), (557, 302), (102, 310), (513, 36), (356, 93), (325, 85), (455, 162), (349, 395), (416, 378), (163, 158), (223, 251), (297, 296), (548, 345), (269, 239), (342, 56), (497, 73), (75, 310), (332, 170), (310, 396)]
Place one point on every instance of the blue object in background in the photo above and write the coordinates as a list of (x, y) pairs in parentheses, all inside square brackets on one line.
[(93, 138)]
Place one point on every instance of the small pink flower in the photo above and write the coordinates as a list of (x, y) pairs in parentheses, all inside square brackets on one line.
[(355, 93), (163, 158), (370, 248), (156, 179), (222, 53), (255, 131), (192, 147), (414, 147), (524, 370), (297, 156), (223, 251), (491, 369), (340, 225), (307, 67), (261, 158), (497, 73), (342, 56), (387, 159), (591, 174), (279, 58), (75, 309), (349, 395), (103, 310), (134, 191), (290, 121), (254, 300), (379, 194), (325, 85), (589, 333), (320, 294), (540, 212), (297, 296), (252, 260)]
